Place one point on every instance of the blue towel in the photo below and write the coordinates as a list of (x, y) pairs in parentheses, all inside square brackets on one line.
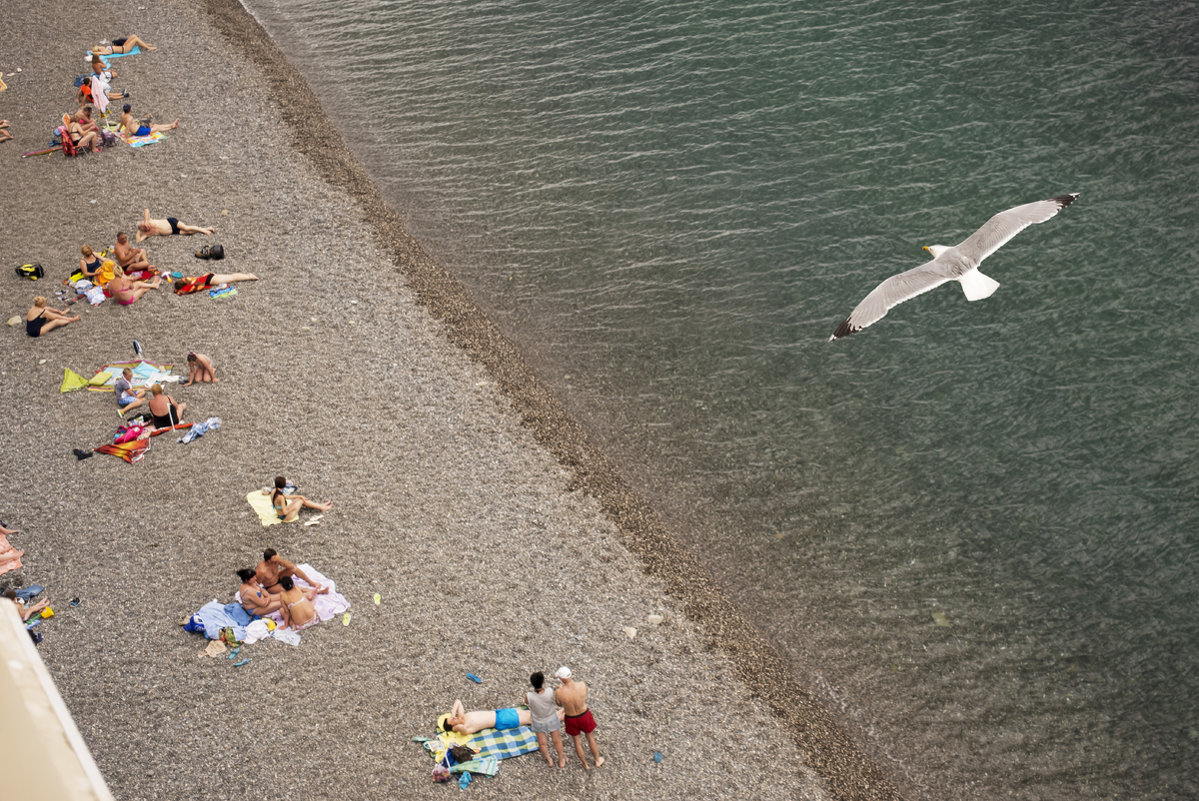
[(215, 616)]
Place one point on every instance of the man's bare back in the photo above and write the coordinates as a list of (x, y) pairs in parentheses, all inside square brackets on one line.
[(572, 698)]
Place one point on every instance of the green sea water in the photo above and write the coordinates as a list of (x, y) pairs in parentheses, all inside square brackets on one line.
[(971, 529)]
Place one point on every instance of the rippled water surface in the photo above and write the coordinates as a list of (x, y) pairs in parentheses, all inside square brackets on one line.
[(972, 527)]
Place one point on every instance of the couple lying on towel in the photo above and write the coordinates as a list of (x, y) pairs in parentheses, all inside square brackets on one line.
[(269, 588)]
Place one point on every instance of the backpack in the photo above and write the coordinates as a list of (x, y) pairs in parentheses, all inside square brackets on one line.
[(31, 271)]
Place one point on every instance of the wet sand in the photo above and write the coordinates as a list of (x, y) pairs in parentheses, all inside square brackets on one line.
[(499, 539)]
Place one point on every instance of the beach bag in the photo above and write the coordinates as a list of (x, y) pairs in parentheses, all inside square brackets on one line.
[(215, 252), (441, 773), (460, 754), (31, 271)]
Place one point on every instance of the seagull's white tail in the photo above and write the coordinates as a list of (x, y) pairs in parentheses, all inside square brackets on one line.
[(978, 286)]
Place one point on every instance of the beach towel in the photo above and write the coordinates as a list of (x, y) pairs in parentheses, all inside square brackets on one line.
[(10, 557), (134, 450), (486, 766), (214, 616), (135, 51), (200, 429), (71, 381), (488, 742), (142, 141), (145, 374), (260, 502)]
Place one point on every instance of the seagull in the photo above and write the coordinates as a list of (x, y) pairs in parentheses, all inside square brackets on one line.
[(952, 264)]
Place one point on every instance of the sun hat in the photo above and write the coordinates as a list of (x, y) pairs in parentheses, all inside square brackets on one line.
[(563, 672)]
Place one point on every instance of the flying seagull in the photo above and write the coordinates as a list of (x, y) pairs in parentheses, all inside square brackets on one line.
[(952, 264)]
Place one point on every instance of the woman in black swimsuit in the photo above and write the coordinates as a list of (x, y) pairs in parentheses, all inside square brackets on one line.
[(89, 263), (39, 319), (287, 507), (122, 45), (164, 412)]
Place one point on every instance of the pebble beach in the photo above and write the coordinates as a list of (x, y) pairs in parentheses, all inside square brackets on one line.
[(498, 540)]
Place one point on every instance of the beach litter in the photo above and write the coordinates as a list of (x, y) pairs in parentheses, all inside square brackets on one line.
[(629, 630), (658, 756), (463, 780), (345, 619), (378, 599), (653, 620), (474, 678), (243, 662)]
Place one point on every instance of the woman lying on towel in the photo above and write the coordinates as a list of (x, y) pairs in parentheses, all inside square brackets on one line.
[(288, 507), (122, 45), (297, 609)]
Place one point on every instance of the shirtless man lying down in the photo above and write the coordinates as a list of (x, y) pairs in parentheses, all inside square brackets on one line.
[(169, 226)]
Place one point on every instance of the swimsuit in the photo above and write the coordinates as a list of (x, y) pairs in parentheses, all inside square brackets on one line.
[(580, 724), (506, 719), (164, 420), (34, 327), (174, 221), (144, 130), (90, 268), (195, 284)]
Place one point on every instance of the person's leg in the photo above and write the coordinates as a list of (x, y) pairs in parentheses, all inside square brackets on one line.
[(545, 752), (156, 129), (5, 135), (188, 230), (207, 375), (59, 323), (595, 754), (181, 408), (324, 507), (556, 735), (229, 278), (136, 402), (133, 40), (579, 751), (7, 531)]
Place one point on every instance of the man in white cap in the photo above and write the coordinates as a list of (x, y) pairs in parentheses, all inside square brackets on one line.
[(572, 697)]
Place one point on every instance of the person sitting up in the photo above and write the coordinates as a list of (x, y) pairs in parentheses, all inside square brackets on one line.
[(253, 598), (129, 257), (101, 80), (24, 611), (287, 507), (84, 134), (297, 608), (166, 227), (127, 397), (274, 568), (185, 286), (123, 45), (89, 263), (40, 319), (199, 369), (464, 722), (164, 412), (126, 291), (134, 128)]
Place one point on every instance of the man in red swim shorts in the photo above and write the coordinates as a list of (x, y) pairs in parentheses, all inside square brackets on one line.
[(572, 697)]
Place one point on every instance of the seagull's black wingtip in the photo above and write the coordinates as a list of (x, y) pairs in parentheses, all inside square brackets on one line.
[(844, 330), (1065, 200)]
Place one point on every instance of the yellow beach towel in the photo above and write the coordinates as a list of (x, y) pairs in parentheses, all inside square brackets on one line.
[(261, 503)]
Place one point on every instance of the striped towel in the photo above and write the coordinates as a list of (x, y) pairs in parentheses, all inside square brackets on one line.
[(139, 141), (487, 766), (503, 744)]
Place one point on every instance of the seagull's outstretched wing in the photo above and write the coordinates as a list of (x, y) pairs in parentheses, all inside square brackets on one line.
[(890, 293), (1006, 224)]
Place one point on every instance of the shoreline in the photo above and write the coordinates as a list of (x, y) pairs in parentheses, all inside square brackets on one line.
[(584, 488)]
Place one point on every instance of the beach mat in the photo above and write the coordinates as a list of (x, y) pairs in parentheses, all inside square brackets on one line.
[(261, 504), (142, 141), (144, 375)]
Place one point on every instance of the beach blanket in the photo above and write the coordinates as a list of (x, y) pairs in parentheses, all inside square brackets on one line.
[(10, 557), (142, 141), (135, 51), (260, 502), (71, 381), (214, 616), (488, 742), (145, 374), (134, 450)]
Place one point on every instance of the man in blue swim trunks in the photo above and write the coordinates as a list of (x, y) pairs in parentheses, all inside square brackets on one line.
[(464, 722), (154, 227), (135, 128)]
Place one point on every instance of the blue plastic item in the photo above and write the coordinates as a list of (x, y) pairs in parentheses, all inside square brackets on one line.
[(463, 780), (474, 678), (243, 662), (658, 756)]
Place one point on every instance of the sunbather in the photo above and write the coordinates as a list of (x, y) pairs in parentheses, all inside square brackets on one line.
[(164, 412), (464, 722), (40, 319), (127, 291), (6, 531), (169, 226), (122, 45), (85, 134), (184, 286), (89, 263), (129, 257), (274, 568), (144, 128), (287, 507), (24, 611), (128, 397), (297, 608), (254, 599), (199, 369)]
